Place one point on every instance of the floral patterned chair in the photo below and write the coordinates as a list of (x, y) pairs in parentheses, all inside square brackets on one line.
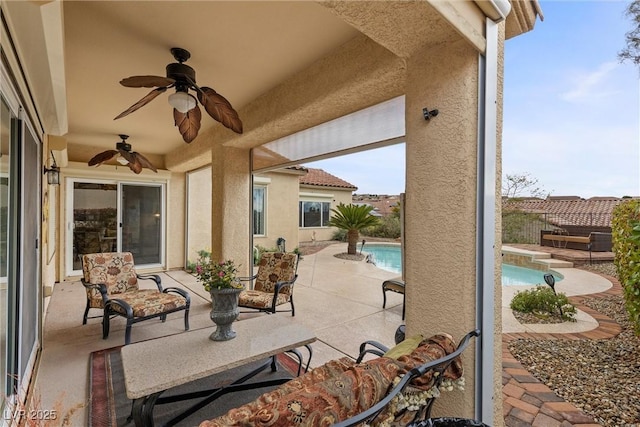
[(111, 283), (273, 284), (393, 390)]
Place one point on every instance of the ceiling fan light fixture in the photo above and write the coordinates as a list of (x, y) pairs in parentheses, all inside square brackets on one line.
[(122, 160), (182, 101)]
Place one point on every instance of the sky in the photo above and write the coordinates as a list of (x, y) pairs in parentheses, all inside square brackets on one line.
[(571, 110)]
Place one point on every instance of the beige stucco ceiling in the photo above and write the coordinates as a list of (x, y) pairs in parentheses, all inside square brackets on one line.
[(241, 49), (284, 66)]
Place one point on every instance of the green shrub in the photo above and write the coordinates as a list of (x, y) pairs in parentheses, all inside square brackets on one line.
[(625, 234), (388, 227), (340, 235), (542, 301)]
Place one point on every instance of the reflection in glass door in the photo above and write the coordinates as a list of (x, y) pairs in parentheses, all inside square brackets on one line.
[(142, 219), (94, 219), (5, 137), (111, 217)]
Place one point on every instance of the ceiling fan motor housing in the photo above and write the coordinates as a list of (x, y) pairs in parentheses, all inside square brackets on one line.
[(123, 146), (181, 73)]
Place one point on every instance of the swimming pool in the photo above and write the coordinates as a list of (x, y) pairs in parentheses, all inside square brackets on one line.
[(388, 257)]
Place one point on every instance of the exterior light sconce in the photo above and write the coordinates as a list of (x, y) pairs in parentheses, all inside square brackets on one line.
[(53, 173), (428, 114)]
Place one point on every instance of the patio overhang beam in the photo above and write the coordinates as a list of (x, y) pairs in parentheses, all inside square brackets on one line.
[(360, 73)]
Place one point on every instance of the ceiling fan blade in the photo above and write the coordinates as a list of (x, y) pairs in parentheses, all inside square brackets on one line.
[(219, 108), (98, 159), (147, 81), (144, 162), (134, 165), (127, 155), (144, 101), (188, 123)]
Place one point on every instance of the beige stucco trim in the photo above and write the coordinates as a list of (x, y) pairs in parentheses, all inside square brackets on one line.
[(522, 17)]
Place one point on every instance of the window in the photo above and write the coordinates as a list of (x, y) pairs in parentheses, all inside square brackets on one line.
[(259, 210), (314, 214)]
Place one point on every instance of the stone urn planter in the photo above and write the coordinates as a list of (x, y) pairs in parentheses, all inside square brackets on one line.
[(224, 311)]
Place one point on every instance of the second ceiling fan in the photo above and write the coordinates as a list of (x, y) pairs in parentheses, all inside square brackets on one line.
[(186, 113)]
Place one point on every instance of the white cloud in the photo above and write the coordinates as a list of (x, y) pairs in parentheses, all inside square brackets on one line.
[(588, 86)]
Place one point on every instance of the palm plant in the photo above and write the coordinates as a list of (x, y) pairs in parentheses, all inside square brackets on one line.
[(352, 218)]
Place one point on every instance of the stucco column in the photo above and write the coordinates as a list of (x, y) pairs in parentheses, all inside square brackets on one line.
[(440, 207), (230, 205)]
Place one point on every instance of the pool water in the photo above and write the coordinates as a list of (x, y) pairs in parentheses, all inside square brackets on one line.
[(388, 257), (521, 276)]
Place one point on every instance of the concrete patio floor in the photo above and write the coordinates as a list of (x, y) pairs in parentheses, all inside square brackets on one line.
[(340, 300)]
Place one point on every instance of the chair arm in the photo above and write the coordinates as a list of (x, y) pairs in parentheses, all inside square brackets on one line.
[(125, 306), (153, 277), (179, 291), (379, 349), (248, 279), (285, 284), (101, 287), (441, 363)]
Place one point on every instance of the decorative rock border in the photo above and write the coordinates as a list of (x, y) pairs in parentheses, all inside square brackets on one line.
[(527, 401)]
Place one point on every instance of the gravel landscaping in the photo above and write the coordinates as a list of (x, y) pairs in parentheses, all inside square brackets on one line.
[(602, 377)]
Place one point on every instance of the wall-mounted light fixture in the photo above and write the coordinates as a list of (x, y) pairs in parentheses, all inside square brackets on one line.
[(53, 173), (428, 114)]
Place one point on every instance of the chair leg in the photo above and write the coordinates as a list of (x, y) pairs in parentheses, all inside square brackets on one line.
[(163, 318), (127, 332), (86, 313), (293, 309), (105, 324), (186, 319), (384, 297)]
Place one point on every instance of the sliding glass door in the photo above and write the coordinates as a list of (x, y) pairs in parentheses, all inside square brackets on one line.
[(142, 222), (114, 216)]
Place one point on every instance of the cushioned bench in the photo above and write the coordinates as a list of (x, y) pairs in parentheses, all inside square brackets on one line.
[(345, 393), (561, 240)]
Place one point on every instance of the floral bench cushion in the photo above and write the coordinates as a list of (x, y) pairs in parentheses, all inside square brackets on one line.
[(340, 389)]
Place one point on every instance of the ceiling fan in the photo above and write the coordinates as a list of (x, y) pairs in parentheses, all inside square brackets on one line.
[(135, 161), (186, 112)]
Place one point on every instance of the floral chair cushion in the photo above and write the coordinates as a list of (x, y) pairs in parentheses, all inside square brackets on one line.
[(115, 269), (148, 302), (340, 389), (255, 298), (275, 267)]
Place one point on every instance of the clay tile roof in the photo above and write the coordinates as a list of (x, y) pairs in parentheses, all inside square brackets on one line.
[(318, 177), (595, 211)]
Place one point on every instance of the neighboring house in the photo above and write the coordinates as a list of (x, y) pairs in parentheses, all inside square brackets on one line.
[(563, 211), (383, 205), (571, 215), (319, 193)]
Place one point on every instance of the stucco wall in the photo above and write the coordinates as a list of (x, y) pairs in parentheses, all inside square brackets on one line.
[(440, 208), (321, 194), (198, 212), (281, 209)]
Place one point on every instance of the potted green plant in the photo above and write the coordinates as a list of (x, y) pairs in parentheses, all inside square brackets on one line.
[(220, 279)]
